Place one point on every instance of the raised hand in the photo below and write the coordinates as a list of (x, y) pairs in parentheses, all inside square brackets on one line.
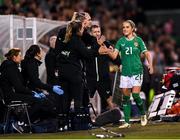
[(103, 49), (101, 40)]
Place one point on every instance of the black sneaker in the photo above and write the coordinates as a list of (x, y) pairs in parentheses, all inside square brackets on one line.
[(18, 127)]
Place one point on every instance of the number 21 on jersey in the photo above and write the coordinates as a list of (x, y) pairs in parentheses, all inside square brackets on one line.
[(128, 50)]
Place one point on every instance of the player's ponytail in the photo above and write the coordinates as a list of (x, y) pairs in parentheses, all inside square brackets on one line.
[(68, 33), (72, 28)]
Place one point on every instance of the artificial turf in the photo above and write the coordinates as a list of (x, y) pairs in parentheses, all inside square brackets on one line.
[(161, 130)]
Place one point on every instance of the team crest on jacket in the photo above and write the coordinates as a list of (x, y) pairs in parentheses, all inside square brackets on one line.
[(136, 44)]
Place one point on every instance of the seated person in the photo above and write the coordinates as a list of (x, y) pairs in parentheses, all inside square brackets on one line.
[(11, 83), (30, 71)]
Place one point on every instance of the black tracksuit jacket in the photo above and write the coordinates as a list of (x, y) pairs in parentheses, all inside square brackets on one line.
[(11, 83), (79, 52), (11, 80), (30, 72), (98, 68), (50, 63), (70, 62)]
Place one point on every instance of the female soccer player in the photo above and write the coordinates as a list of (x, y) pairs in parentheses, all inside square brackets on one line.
[(130, 47)]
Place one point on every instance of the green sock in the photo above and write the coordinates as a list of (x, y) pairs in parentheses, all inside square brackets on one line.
[(126, 108), (139, 103)]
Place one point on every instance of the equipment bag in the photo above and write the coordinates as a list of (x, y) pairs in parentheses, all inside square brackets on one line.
[(110, 116), (79, 120), (46, 126)]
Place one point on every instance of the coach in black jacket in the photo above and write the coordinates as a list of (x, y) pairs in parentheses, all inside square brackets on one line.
[(97, 71), (71, 63), (72, 53), (61, 60)]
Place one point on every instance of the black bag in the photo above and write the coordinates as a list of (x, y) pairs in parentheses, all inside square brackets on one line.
[(80, 120), (46, 126), (175, 82), (1, 128), (110, 116)]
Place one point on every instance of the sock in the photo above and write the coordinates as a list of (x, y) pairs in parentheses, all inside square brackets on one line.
[(126, 108), (139, 103)]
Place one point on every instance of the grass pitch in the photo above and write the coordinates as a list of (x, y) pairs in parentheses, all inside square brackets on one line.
[(163, 130)]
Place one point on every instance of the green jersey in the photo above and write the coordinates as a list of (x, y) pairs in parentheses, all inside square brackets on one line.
[(130, 51)]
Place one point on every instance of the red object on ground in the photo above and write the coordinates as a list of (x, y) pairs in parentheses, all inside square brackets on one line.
[(175, 109)]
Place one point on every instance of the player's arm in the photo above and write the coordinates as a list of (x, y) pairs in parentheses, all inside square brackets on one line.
[(149, 59), (113, 53), (147, 55)]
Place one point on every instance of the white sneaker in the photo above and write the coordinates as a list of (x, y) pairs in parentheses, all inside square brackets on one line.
[(125, 125), (18, 127), (144, 120)]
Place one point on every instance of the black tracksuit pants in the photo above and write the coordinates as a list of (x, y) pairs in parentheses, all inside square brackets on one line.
[(72, 83)]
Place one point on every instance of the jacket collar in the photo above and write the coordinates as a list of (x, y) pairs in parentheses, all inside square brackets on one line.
[(38, 61)]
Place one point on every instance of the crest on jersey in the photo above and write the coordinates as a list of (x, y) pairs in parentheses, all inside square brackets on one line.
[(136, 44)]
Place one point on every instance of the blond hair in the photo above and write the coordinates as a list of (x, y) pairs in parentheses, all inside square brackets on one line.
[(133, 25), (73, 27), (79, 16)]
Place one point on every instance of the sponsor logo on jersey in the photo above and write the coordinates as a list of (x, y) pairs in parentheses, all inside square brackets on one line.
[(89, 47), (66, 53), (108, 92)]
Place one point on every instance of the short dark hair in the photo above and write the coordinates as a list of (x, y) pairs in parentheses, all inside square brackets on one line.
[(94, 26), (32, 51)]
